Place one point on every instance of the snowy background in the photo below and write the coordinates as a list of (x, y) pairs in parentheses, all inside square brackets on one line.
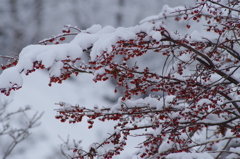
[(29, 21)]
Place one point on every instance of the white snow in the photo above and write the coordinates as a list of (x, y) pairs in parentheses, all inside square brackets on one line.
[(166, 11), (55, 70), (10, 77), (157, 36), (165, 146), (184, 155), (47, 54)]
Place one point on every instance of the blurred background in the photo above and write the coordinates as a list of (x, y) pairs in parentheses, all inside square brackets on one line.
[(29, 21), (24, 22)]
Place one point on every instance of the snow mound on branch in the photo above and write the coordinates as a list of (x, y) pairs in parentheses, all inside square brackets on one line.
[(11, 78), (235, 154), (55, 70), (96, 39), (103, 39), (165, 146), (94, 28), (47, 54)]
